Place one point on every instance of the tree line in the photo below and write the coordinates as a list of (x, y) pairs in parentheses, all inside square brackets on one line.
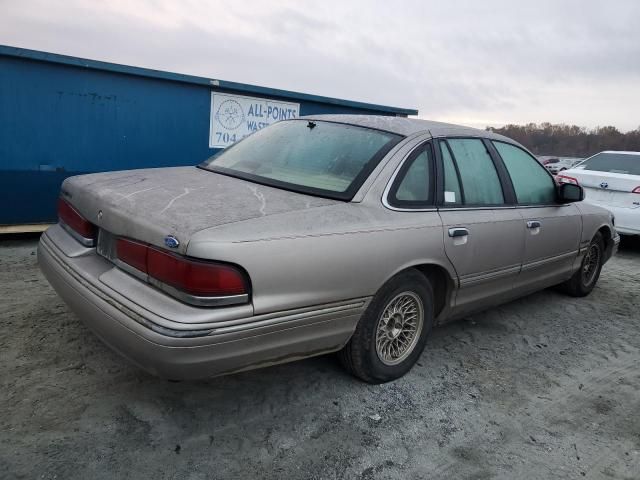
[(570, 140)]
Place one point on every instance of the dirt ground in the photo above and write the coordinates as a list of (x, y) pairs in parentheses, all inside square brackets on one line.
[(544, 387)]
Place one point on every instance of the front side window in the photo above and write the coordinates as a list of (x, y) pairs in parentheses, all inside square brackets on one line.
[(314, 157), (532, 183), (478, 175), (414, 186)]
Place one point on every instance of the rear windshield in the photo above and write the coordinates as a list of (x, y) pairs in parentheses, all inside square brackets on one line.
[(321, 158), (612, 163)]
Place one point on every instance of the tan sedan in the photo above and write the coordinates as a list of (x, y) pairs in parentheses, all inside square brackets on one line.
[(354, 234)]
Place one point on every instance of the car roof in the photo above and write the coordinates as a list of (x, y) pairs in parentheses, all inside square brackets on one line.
[(623, 152), (409, 126)]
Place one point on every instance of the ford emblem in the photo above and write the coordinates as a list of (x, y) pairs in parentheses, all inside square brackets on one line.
[(171, 241), (604, 185)]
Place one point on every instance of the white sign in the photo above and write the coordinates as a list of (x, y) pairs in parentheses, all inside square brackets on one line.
[(233, 117), (450, 197)]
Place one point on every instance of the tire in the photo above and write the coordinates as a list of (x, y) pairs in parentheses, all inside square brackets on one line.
[(583, 280), (397, 349)]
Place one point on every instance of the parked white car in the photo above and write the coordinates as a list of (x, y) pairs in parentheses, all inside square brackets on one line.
[(557, 165), (611, 180)]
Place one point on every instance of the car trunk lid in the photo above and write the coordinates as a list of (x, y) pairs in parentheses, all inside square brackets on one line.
[(151, 204)]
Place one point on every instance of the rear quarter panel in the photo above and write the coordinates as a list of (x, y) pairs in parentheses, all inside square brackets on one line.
[(330, 254)]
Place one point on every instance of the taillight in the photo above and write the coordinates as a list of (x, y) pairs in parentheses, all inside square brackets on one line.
[(202, 279), (133, 254), (636, 190), (195, 278), (566, 179), (78, 226)]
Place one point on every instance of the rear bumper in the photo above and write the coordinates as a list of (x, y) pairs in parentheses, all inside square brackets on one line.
[(191, 351)]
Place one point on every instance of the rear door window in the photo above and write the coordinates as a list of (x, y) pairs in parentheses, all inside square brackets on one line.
[(452, 190), (477, 173)]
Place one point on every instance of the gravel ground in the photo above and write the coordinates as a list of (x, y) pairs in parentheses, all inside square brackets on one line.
[(543, 387)]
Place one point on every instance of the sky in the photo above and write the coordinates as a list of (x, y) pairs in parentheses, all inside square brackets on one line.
[(478, 63)]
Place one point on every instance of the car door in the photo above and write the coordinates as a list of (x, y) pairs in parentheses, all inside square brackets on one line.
[(483, 235), (553, 230)]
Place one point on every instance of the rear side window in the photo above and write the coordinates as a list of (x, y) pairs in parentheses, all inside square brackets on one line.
[(478, 175), (532, 183), (413, 187), (613, 163)]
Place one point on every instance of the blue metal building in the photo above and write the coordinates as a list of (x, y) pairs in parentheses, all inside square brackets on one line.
[(63, 116)]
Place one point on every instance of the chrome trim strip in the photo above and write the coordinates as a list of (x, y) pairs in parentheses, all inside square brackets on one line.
[(487, 207), (548, 260), (289, 316), (198, 301), (397, 209), (502, 207), (86, 242), (545, 205), (488, 276)]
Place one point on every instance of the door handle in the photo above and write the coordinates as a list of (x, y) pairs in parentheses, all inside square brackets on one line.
[(458, 232), (533, 224)]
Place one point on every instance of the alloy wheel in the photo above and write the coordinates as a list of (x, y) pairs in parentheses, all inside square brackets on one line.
[(399, 328), (590, 264)]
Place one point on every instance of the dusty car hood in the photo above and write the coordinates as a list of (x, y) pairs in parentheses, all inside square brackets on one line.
[(150, 204)]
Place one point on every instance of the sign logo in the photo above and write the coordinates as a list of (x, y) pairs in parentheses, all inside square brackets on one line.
[(604, 185), (171, 241), (230, 114)]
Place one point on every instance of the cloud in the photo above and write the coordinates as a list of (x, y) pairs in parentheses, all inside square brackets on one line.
[(470, 62)]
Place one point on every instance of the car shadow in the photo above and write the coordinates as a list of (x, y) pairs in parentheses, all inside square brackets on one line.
[(630, 246)]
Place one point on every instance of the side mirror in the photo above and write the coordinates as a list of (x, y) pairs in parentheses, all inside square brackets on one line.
[(569, 192)]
